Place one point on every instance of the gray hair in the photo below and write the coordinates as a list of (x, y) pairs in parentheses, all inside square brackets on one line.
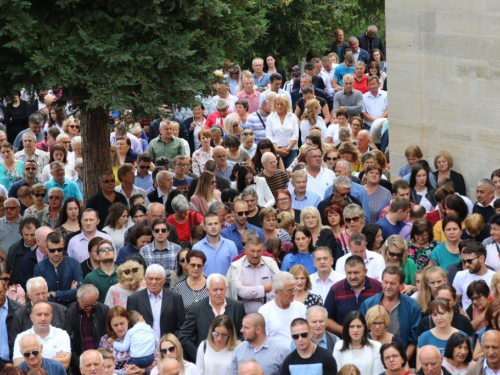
[(35, 282), (61, 136), (314, 309), (249, 233), (215, 207), (354, 209), (345, 133), (161, 174), (359, 62), (485, 182), (348, 76), (30, 134), (222, 104), (353, 39), (38, 234), (266, 155), (75, 140), (309, 149), (215, 277), (88, 351), (59, 190), (345, 163), (342, 182), (155, 204), (216, 129), (87, 289), (306, 76), (372, 27), (13, 200), (56, 163), (298, 173), (257, 59), (282, 278), (248, 191), (180, 203), (155, 269), (252, 361), (79, 162), (30, 336)]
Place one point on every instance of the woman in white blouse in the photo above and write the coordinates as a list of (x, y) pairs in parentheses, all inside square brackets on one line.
[(282, 128), (355, 347)]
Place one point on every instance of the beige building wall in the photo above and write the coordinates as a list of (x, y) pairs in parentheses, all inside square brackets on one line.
[(444, 82)]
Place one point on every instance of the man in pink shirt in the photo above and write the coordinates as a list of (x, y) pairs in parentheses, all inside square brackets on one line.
[(249, 94)]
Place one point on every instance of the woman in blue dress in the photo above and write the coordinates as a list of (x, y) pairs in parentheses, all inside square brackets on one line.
[(301, 251)]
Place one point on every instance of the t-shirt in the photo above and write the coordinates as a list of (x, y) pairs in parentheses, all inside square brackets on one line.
[(183, 185), (278, 320), (441, 257), (183, 230), (389, 229), (462, 281), (321, 362), (428, 338)]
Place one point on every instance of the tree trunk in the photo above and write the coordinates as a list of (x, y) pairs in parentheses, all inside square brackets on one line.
[(95, 152)]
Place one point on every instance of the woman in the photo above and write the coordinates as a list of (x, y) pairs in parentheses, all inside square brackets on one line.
[(76, 147), (284, 204), (130, 280), (301, 251), (287, 222), (71, 127), (432, 278), (263, 146), (394, 359), (183, 218), (421, 242), (395, 254), (457, 354), (495, 285), (278, 249), (492, 317), (69, 218), (206, 193), (354, 219), (246, 179), (448, 253), (356, 127), (248, 142), (57, 116), (271, 66), (378, 57), (215, 353), (340, 120), (216, 133), (374, 239), (14, 291), (138, 212), (115, 162), (356, 348), (321, 235), (367, 159), (382, 163), (268, 221), (117, 223), (378, 321), (182, 271), (58, 152), (349, 370), (378, 196), (282, 129), (495, 177), (330, 157), (234, 152), (139, 237), (170, 347), (443, 162), (479, 293), (136, 130), (125, 152), (374, 70), (453, 205), (202, 154), (38, 192), (241, 107), (11, 170), (303, 286), (350, 153), (311, 118), (421, 190), (195, 125), (335, 219), (194, 287), (16, 116)]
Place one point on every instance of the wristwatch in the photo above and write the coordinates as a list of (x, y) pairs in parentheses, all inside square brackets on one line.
[(52, 294)]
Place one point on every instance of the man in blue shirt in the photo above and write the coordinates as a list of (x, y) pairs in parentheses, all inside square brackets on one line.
[(301, 197), (260, 77), (394, 221), (143, 177), (31, 347), (69, 188)]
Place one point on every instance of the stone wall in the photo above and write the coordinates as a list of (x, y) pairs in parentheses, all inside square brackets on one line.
[(444, 82)]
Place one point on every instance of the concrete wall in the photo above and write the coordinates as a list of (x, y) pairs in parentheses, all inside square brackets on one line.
[(444, 82)]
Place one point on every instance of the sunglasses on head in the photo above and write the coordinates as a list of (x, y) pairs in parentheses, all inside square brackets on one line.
[(128, 270), (163, 230), (241, 213), (303, 335), (354, 219), (168, 350), (34, 352), (59, 250)]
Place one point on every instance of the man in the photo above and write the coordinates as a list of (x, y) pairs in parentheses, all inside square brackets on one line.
[(86, 322), (268, 352), (31, 178), (210, 166), (370, 40), (221, 210), (168, 366), (307, 80), (161, 308), (202, 313), (374, 103), (165, 115), (165, 182), (346, 67), (416, 212), (249, 367), (261, 78), (317, 317), (49, 140), (256, 121), (8, 308), (489, 363), (323, 280), (282, 310), (326, 73), (363, 142), (312, 69), (485, 194), (249, 94), (400, 188), (30, 260), (404, 311), (431, 362), (121, 130), (250, 277), (276, 178), (308, 93), (9, 226), (338, 45), (24, 246), (126, 175), (181, 169), (35, 124), (30, 152), (224, 166), (78, 245), (70, 188), (79, 172), (91, 363), (301, 196), (217, 117), (348, 97), (275, 79), (473, 258), (50, 214), (30, 345), (65, 141), (234, 231), (348, 294), (143, 176), (394, 221), (360, 78), (358, 53), (166, 144), (223, 93), (307, 357), (319, 179), (56, 341), (105, 275)]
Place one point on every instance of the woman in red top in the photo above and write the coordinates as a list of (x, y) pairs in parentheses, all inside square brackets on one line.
[(183, 219)]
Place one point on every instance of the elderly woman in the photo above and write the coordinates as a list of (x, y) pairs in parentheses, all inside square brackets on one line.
[(282, 129), (76, 146), (241, 107), (303, 286), (130, 280), (378, 196), (194, 287), (287, 222), (378, 321), (183, 218), (443, 162), (216, 133), (38, 192), (354, 219), (268, 221), (11, 170), (248, 142), (234, 152), (204, 153), (71, 127), (284, 204), (350, 153), (232, 125), (394, 358)]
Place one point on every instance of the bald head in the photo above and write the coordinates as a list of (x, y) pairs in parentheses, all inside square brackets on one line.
[(430, 360), (218, 150), (256, 319), (91, 363), (250, 367), (168, 366), (491, 348), (49, 99)]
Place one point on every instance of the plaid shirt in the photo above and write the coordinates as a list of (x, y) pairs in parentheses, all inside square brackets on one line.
[(167, 257)]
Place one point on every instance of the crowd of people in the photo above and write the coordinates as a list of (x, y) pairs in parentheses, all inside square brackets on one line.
[(262, 231)]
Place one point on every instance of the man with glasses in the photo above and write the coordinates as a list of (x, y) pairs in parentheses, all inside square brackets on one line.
[(280, 312), (276, 178), (181, 169), (341, 193), (308, 356), (70, 188), (65, 141), (50, 214), (105, 275), (143, 175), (30, 152), (301, 196), (86, 322), (31, 348), (35, 126), (9, 226), (346, 67), (63, 274), (166, 144), (256, 121), (349, 98), (8, 308), (56, 341), (31, 178)]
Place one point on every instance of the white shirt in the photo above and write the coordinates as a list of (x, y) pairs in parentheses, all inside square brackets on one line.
[(211, 362), (231, 101), (374, 106), (282, 134), (56, 341), (305, 128), (327, 79), (321, 183), (333, 131), (493, 256), (135, 190), (462, 281), (263, 96), (322, 288), (374, 262)]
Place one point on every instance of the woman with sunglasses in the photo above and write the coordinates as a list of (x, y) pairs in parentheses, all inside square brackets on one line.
[(395, 254), (354, 219), (38, 192), (14, 291), (117, 223), (206, 193), (301, 252), (215, 354), (71, 127), (248, 142), (330, 157), (182, 271), (69, 216), (130, 280), (194, 287), (264, 145), (170, 347)]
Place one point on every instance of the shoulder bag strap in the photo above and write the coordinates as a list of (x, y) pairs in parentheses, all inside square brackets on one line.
[(260, 118)]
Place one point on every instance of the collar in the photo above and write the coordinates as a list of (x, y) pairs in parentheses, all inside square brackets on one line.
[(99, 271), (323, 339), (212, 306), (151, 295), (247, 264), (488, 205)]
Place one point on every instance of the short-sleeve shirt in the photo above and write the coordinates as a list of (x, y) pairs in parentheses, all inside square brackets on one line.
[(441, 257), (321, 362), (184, 230), (322, 103)]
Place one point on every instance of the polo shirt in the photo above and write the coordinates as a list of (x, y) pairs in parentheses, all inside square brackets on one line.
[(310, 199), (57, 340), (232, 234), (321, 183), (361, 85), (102, 281), (51, 366), (135, 190), (252, 99), (9, 233), (270, 355), (158, 148), (78, 246), (218, 260), (70, 189), (144, 183), (101, 204), (374, 106), (374, 262), (262, 81)]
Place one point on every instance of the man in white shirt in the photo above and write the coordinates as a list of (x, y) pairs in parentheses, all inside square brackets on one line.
[(326, 276), (374, 103), (223, 93), (275, 80), (319, 179), (374, 262)]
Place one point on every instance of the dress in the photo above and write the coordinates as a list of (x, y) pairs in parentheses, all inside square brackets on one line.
[(8, 177), (190, 296), (313, 300), (117, 296), (200, 157), (421, 255)]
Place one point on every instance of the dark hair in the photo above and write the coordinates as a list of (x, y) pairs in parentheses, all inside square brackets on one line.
[(63, 215), (439, 304), (160, 220), (303, 229), (240, 182), (231, 141), (93, 242), (421, 226), (28, 222), (495, 219), (346, 339), (455, 340), (399, 184), (115, 312), (115, 211), (447, 287), (5, 268), (478, 287), (456, 203), (141, 230), (136, 208), (476, 248), (263, 143), (395, 345), (275, 76), (198, 232), (196, 254), (168, 204), (451, 219), (394, 270), (58, 147), (417, 168), (133, 198), (354, 260), (373, 65), (370, 231), (228, 195), (137, 258), (179, 271), (54, 237), (145, 157), (242, 102), (334, 208)]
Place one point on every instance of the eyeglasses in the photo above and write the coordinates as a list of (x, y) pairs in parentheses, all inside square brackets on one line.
[(354, 219), (223, 336), (39, 195), (288, 291), (476, 298), (297, 335), (30, 169), (389, 357), (104, 249), (34, 352), (74, 127), (182, 260), (378, 323), (87, 305), (331, 159), (144, 166), (169, 350), (196, 265), (247, 133), (394, 255), (59, 250), (214, 182), (468, 261), (282, 200), (5, 279), (241, 213), (54, 197), (344, 195), (108, 181), (128, 270), (10, 208), (163, 230)]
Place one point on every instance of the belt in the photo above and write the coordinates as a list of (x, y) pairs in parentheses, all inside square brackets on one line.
[(261, 300)]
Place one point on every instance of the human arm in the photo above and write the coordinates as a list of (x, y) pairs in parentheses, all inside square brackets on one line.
[(298, 112), (410, 350), (187, 332), (125, 345), (200, 358), (250, 292), (63, 358), (326, 113), (330, 305), (367, 117)]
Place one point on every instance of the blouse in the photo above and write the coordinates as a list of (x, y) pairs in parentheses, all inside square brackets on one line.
[(282, 133), (118, 235), (16, 293), (211, 362), (421, 255), (9, 176), (305, 127), (378, 200), (200, 157), (291, 260), (117, 296), (63, 232), (190, 296)]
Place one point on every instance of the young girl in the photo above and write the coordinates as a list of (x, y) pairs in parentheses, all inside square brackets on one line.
[(311, 118), (374, 70)]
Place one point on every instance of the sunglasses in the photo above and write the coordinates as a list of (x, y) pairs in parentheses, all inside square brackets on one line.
[(331, 159), (59, 250), (182, 260), (144, 166), (394, 255), (30, 169), (39, 195), (223, 336), (108, 181), (5, 279), (10, 208), (468, 261), (247, 133), (354, 219), (34, 352), (74, 127), (128, 270), (163, 230), (241, 213), (303, 335), (195, 265), (343, 195), (168, 350), (104, 249)]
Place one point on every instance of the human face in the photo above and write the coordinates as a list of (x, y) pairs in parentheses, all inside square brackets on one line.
[(302, 343), (195, 267), (341, 170), (280, 107), (41, 316), (300, 184), (253, 254), (431, 362), (138, 217), (331, 158), (275, 85), (119, 325), (355, 276), (108, 367), (495, 232), (373, 86), (373, 71), (269, 223), (106, 252), (181, 167), (65, 141), (53, 115), (434, 281), (339, 36), (212, 226), (87, 302), (391, 285), (72, 210), (392, 359), (94, 254), (28, 233), (479, 301), (441, 318), (308, 96), (394, 255), (57, 171), (154, 283), (359, 250), (29, 143), (241, 208), (287, 294), (421, 178), (496, 182), (35, 128), (166, 131), (363, 141), (39, 293), (73, 128), (323, 261), (57, 256), (89, 221), (422, 240), (302, 242), (205, 141), (270, 61), (317, 322), (30, 170), (378, 240), (160, 232), (248, 330), (412, 160), (355, 223), (373, 176), (222, 336), (258, 66), (220, 158), (376, 56), (356, 126), (491, 349), (378, 326), (354, 46), (30, 345), (356, 330), (283, 201), (217, 291), (156, 213), (452, 232), (346, 156), (314, 159), (300, 281), (311, 222), (167, 181), (485, 194), (317, 68), (404, 193), (168, 350), (343, 121), (472, 262), (442, 164), (446, 294), (7, 153), (55, 199), (348, 83), (333, 218), (359, 71), (91, 364), (248, 84)]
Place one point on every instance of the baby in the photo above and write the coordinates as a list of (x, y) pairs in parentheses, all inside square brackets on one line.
[(140, 339)]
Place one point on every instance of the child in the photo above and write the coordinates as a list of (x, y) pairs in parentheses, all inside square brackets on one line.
[(140, 339), (109, 361)]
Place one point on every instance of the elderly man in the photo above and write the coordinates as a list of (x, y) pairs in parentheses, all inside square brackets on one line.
[(261, 78), (307, 80), (485, 194), (202, 313), (224, 166), (8, 308), (346, 67), (9, 226), (338, 46), (168, 366), (363, 142), (165, 182), (181, 179), (374, 103), (30, 152), (358, 53), (31, 347), (430, 362), (78, 245), (348, 97), (323, 280), (55, 340), (70, 188), (250, 277), (316, 317), (161, 308), (249, 94), (126, 175), (104, 276), (249, 367), (50, 214), (319, 179), (35, 124), (65, 141), (370, 40), (276, 178), (374, 261), (269, 352), (489, 363), (282, 310), (31, 178), (91, 363), (85, 323), (166, 144), (341, 191)]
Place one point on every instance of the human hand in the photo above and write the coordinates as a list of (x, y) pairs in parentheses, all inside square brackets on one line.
[(111, 340), (74, 284)]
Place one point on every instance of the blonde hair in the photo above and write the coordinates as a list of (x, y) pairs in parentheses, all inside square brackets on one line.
[(204, 186), (374, 312), (133, 278), (67, 121), (299, 268), (349, 148), (398, 242), (446, 155), (425, 293), (244, 74), (180, 353), (349, 370), (227, 323), (229, 121), (116, 161), (309, 210), (285, 220), (283, 99), (494, 281), (474, 224), (310, 111)]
